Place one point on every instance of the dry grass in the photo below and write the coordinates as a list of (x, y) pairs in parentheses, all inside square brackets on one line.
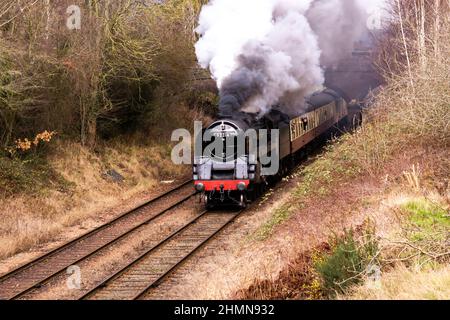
[(406, 284), (69, 186), (298, 278), (30, 220), (296, 281), (404, 144)]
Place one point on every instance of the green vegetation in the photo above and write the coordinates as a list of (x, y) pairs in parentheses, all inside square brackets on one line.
[(348, 262), (425, 214), (278, 217), (428, 220), (23, 169), (421, 245), (31, 175)]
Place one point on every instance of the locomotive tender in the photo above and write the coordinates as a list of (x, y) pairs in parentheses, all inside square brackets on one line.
[(230, 177)]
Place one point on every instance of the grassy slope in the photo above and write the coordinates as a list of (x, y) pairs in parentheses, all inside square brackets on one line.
[(419, 264), (404, 147), (61, 184), (406, 284), (44, 197)]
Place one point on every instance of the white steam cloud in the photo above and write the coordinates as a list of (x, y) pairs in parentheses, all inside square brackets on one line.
[(266, 52)]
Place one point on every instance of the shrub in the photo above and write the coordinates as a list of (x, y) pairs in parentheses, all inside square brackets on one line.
[(29, 175), (24, 166), (348, 261), (427, 224)]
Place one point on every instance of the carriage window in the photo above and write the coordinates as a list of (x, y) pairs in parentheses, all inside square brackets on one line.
[(294, 129)]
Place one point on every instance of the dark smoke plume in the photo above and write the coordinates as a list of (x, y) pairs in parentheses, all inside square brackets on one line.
[(267, 52)]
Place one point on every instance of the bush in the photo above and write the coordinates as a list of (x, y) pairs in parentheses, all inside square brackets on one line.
[(348, 262), (29, 175), (24, 166)]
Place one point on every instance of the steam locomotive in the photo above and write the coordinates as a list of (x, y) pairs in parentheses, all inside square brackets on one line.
[(226, 176)]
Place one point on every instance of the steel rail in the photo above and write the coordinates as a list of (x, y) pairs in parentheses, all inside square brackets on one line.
[(141, 257), (160, 244), (93, 232), (186, 257)]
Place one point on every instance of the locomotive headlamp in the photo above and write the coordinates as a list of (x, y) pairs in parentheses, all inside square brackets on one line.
[(241, 186), (200, 187)]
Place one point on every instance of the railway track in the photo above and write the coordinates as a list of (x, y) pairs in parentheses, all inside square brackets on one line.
[(136, 279), (23, 280)]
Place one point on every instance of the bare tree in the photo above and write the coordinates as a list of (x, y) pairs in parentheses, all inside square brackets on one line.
[(400, 16)]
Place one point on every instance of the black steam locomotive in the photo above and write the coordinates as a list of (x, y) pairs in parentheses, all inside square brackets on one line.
[(226, 176)]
